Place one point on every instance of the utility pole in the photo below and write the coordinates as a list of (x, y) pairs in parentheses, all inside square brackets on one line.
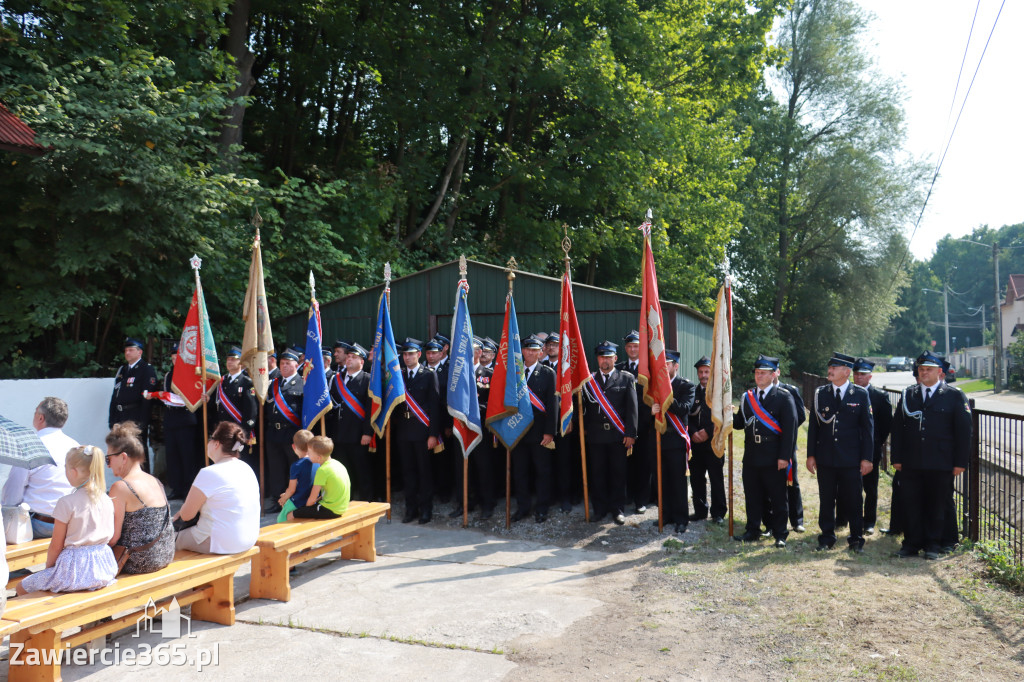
[(945, 306), (998, 364)]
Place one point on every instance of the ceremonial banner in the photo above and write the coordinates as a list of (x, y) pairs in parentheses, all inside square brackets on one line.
[(257, 341), (509, 411), (196, 371), (573, 371), (719, 391), (387, 387), (653, 367), (463, 403), (316, 399)]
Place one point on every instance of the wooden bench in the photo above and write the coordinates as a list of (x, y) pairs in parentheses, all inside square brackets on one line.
[(36, 621), (27, 554), (284, 545)]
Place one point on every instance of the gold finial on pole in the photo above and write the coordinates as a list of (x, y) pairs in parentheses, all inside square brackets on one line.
[(462, 266), (256, 221), (387, 275), (511, 270), (566, 243)]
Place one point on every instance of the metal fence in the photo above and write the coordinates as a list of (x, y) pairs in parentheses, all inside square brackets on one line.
[(990, 494)]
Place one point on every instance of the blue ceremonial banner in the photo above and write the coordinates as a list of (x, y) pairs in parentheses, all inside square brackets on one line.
[(387, 387), (463, 404), (510, 417), (316, 400)]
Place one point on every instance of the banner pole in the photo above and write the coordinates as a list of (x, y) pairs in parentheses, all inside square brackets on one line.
[(583, 458), (387, 427), (730, 483), (465, 491), (508, 489), (262, 484)]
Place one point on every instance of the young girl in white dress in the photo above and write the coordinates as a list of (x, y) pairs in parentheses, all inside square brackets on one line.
[(79, 557)]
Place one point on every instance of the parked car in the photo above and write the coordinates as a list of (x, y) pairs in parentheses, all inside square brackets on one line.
[(898, 364)]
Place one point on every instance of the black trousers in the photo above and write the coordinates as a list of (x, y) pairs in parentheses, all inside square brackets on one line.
[(840, 486), (280, 458), (483, 463), (673, 486), (356, 459), (926, 495), (794, 500), (896, 516), (870, 483), (532, 463), (417, 476), (562, 470), (640, 468), (705, 467), (765, 488), (315, 511), (606, 468), (183, 459)]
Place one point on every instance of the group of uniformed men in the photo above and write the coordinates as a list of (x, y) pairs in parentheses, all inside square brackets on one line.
[(849, 423)]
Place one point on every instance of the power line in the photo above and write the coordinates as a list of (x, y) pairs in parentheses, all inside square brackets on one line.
[(963, 61), (942, 158)]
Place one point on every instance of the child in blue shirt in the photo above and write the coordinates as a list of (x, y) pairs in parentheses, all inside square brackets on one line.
[(300, 476)]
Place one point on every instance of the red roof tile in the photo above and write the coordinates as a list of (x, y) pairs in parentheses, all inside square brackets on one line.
[(15, 136), (1014, 289)]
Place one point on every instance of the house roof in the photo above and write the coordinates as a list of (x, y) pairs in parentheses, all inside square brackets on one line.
[(1014, 289), (15, 136)]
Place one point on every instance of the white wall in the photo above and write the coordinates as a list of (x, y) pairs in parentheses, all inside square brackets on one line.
[(88, 407)]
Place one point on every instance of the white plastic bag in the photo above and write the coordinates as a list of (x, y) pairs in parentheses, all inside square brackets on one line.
[(17, 524)]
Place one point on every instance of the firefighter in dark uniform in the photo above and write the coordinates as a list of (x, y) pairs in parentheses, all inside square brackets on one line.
[(931, 442), (563, 453), (610, 424), (534, 452), (481, 464), (444, 463), (767, 415), (794, 499), (675, 448), (283, 417), (352, 428), (417, 432), (490, 352), (236, 401), (183, 455), (127, 402), (640, 467), (339, 351), (272, 371), (840, 447), (705, 467), (881, 414)]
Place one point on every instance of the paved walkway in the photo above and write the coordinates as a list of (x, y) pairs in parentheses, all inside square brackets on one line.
[(436, 605)]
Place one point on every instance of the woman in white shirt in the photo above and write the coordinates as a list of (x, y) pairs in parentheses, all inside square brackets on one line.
[(226, 495)]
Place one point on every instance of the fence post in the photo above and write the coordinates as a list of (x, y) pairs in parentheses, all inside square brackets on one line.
[(974, 478)]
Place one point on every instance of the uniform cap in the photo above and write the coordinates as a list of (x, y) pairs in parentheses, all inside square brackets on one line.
[(356, 349), (444, 340), (632, 337), (533, 341), (490, 344), (289, 355), (298, 350), (235, 352), (478, 342), (704, 361), (346, 345), (553, 337), (129, 342), (605, 349), (863, 366), (672, 356), (928, 359), (841, 360), (433, 344), (410, 345), (766, 362), (326, 351)]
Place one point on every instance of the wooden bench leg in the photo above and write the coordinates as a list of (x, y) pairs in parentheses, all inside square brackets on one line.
[(364, 548), (269, 578), (219, 607), (35, 658)]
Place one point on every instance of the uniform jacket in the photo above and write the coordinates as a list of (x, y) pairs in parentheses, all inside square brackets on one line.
[(798, 401), (424, 390), (348, 426), (441, 372), (700, 418), (881, 413), (935, 436), (243, 396), (761, 447), (620, 390), (542, 383), (126, 402), (841, 434), (279, 429), (176, 417), (682, 403), (483, 390), (645, 420)]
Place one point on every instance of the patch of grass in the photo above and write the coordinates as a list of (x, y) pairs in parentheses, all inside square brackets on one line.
[(897, 672), (998, 555), (672, 543), (975, 385)]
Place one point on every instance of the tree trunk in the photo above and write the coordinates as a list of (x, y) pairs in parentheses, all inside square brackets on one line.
[(237, 45)]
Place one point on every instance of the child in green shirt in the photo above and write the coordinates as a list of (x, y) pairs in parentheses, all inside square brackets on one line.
[(331, 486)]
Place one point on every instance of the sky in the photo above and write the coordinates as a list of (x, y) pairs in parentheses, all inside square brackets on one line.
[(922, 43)]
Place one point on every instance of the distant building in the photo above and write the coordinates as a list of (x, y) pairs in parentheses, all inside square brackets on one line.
[(15, 136)]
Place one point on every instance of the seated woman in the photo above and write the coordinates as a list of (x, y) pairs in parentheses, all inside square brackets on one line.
[(226, 495), (142, 515)]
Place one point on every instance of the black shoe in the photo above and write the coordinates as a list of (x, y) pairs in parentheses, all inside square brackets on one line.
[(766, 534), (485, 514), (746, 537), (947, 549), (519, 515), (904, 553), (931, 556), (409, 517), (698, 517), (718, 519), (620, 519), (822, 547), (870, 530), (425, 518), (272, 508), (799, 528), (857, 549), (455, 513), (640, 509), (540, 517), (780, 544), (681, 528)]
